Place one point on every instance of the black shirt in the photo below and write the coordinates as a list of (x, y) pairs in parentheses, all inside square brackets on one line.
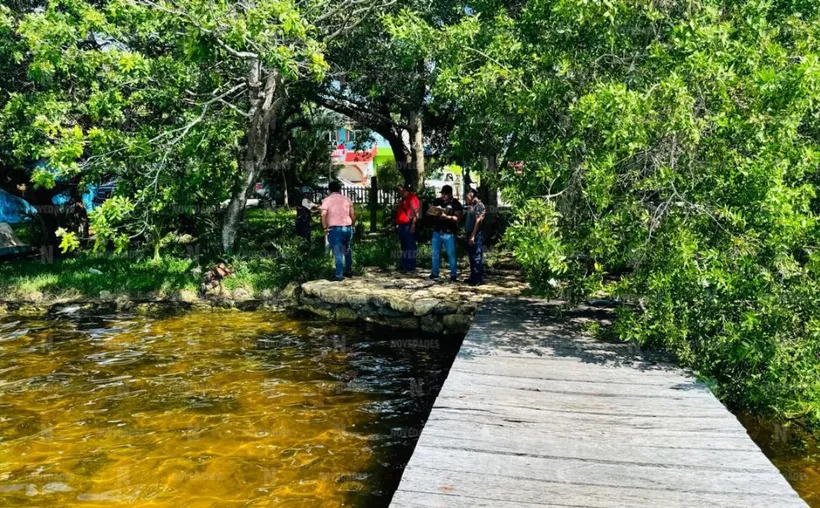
[(451, 208)]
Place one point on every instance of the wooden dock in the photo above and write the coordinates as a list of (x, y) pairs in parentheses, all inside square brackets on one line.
[(535, 413)]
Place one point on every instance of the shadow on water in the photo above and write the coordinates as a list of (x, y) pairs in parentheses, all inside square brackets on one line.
[(400, 372), (210, 409)]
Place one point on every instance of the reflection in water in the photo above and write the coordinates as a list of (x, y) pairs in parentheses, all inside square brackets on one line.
[(795, 453), (209, 409)]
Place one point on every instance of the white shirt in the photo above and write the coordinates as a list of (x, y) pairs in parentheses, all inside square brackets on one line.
[(310, 205)]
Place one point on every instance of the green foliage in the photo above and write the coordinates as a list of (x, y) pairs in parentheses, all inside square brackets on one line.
[(389, 175), (536, 240), (674, 143), (93, 95), (272, 257)]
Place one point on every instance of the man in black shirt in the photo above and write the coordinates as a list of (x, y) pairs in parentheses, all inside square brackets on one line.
[(447, 212)]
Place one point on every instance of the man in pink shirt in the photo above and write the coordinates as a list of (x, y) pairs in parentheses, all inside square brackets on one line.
[(338, 218)]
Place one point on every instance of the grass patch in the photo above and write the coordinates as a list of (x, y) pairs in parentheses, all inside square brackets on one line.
[(23, 231), (76, 277), (269, 257)]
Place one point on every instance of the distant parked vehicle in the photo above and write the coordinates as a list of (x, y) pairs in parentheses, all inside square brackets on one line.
[(439, 179), (261, 190)]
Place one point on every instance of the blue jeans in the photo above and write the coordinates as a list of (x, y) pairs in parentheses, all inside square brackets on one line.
[(340, 239), (449, 241), (476, 254), (408, 248)]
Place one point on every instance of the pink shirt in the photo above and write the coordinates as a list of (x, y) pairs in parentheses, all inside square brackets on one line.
[(338, 210)]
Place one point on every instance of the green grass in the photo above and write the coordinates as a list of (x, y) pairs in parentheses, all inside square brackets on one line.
[(73, 277), (269, 257), (23, 231)]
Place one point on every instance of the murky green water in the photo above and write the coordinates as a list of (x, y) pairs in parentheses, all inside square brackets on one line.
[(209, 409)]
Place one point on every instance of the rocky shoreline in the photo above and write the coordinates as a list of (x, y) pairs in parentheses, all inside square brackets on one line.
[(395, 300), (381, 297), (123, 303)]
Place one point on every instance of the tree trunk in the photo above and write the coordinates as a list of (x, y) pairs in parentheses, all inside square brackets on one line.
[(285, 187), (488, 193), (415, 173), (49, 217), (261, 115), (399, 153)]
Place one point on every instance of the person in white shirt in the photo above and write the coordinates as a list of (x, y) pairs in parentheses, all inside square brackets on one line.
[(303, 215)]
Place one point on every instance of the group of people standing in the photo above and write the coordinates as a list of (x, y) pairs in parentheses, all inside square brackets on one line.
[(444, 217)]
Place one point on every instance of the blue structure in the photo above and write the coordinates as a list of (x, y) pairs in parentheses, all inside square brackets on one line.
[(14, 209)]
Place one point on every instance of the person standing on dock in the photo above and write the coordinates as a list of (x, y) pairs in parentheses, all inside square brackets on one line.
[(338, 218), (446, 213), (475, 237), (406, 217)]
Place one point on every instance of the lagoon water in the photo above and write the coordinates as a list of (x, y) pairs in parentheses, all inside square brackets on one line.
[(209, 409)]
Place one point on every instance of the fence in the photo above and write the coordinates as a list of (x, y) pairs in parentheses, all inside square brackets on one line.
[(360, 195)]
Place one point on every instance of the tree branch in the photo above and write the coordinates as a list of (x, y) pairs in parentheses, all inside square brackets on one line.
[(198, 25)]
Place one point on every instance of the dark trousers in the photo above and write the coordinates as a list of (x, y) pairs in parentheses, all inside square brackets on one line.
[(408, 248), (476, 255), (303, 231)]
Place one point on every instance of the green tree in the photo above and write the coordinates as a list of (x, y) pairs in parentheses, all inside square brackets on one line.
[(673, 142), (52, 73), (175, 98), (381, 75), (258, 50)]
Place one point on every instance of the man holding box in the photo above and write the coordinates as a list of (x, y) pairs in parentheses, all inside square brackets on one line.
[(446, 214)]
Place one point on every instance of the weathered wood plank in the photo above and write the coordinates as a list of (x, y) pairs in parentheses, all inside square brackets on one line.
[(583, 387), (511, 489), (569, 369), (534, 413), (482, 426), (618, 404), (645, 477), (531, 420), (589, 449)]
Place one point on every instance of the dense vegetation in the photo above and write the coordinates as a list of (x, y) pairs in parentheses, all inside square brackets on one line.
[(675, 142), (671, 143)]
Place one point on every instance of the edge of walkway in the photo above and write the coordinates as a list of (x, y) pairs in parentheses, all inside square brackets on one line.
[(536, 413)]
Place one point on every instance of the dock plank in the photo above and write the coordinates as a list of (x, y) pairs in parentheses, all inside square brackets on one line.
[(535, 413)]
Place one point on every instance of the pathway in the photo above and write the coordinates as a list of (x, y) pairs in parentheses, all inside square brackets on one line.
[(535, 413)]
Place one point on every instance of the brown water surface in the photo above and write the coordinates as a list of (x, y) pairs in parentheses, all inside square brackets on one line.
[(209, 409), (795, 453)]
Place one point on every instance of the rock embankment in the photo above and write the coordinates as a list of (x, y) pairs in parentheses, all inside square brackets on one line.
[(401, 301)]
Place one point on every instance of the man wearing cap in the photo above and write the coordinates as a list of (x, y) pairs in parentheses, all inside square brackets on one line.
[(338, 218), (406, 217), (447, 213), (303, 215)]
